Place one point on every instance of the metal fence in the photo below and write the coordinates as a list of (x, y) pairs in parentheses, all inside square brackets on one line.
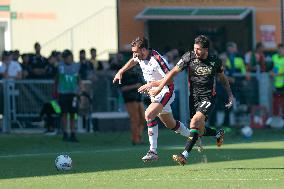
[(22, 100)]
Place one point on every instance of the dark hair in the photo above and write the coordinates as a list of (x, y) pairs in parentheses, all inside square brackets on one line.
[(280, 45), (140, 42), (36, 44), (66, 53), (82, 51), (202, 40), (6, 53), (93, 49)]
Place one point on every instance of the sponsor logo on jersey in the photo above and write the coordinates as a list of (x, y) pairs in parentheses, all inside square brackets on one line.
[(200, 70)]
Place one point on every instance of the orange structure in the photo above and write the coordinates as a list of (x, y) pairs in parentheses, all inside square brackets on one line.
[(175, 23)]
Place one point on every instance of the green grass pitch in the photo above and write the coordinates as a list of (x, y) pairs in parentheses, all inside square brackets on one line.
[(108, 160)]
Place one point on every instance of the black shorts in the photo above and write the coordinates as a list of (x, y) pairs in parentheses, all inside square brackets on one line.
[(201, 104), (132, 96), (68, 103)]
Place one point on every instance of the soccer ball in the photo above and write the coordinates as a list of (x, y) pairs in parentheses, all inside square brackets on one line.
[(247, 131), (63, 163)]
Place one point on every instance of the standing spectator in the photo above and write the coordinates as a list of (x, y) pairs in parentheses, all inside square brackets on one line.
[(255, 60), (16, 55), (9, 68), (278, 69), (116, 62), (97, 64), (38, 64), (131, 81), (278, 83), (51, 68), (234, 62), (68, 83), (221, 97), (86, 67), (235, 65), (57, 55), (25, 65)]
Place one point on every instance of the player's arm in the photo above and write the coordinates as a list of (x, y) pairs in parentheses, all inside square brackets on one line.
[(146, 87), (127, 66), (225, 82), (167, 80)]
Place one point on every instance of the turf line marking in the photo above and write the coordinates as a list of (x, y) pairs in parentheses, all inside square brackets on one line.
[(81, 152), (216, 179), (70, 152)]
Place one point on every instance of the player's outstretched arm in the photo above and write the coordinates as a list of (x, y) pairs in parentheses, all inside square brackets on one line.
[(127, 66), (226, 85), (167, 80)]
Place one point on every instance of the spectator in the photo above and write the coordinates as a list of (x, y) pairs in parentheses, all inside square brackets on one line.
[(9, 68), (234, 62), (116, 62), (38, 64), (235, 65), (51, 68), (131, 81), (255, 60), (16, 55), (25, 65), (86, 67), (222, 97), (57, 56), (278, 83), (97, 64), (278, 69), (68, 83)]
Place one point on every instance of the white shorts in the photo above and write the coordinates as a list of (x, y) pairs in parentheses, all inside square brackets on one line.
[(165, 97)]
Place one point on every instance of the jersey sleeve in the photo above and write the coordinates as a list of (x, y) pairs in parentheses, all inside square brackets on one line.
[(184, 61)]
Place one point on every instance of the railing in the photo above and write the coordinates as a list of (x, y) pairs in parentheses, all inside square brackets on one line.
[(22, 100)]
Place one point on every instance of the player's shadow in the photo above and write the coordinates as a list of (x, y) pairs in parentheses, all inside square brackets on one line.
[(131, 159)]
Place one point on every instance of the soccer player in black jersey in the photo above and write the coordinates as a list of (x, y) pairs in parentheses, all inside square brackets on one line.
[(202, 69)]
